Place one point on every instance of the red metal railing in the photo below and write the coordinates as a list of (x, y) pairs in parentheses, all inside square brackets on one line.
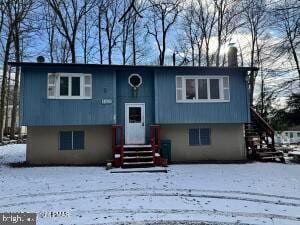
[(118, 144), (155, 139)]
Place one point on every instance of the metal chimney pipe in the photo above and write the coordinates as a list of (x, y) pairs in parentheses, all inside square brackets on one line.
[(232, 56)]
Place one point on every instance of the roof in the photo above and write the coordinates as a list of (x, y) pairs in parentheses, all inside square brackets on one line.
[(115, 66), (294, 128)]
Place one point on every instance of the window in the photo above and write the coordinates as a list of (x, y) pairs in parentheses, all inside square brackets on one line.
[(199, 136), (64, 86), (190, 89), (291, 135), (71, 140), (214, 88), (202, 89), (75, 86), (69, 86), (135, 115), (298, 134)]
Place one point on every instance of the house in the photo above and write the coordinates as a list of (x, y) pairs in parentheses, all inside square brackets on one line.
[(290, 136), (21, 129), (87, 114)]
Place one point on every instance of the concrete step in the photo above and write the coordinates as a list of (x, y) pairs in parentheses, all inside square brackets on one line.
[(138, 164)]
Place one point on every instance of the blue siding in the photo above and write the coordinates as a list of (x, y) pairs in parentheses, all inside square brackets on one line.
[(158, 92), (37, 110), (145, 95), (168, 111)]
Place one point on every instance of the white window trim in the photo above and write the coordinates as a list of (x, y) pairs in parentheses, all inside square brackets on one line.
[(208, 100), (69, 75)]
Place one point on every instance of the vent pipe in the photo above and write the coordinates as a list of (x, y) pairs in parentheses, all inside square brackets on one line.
[(40, 59)]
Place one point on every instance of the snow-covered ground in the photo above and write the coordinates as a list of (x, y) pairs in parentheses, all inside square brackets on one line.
[(254, 193)]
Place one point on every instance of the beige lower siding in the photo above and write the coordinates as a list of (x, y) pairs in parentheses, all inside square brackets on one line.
[(43, 145), (227, 142)]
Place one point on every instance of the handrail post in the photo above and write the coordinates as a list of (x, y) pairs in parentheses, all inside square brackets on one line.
[(155, 140), (121, 145), (117, 148)]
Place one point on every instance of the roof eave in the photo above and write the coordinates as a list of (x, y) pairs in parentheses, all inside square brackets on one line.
[(35, 64)]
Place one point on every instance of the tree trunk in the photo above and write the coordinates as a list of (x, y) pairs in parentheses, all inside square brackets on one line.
[(192, 44), (162, 58), (294, 53), (73, 52), (16, 86), (6, 128), (262, 97), (199, 45), (252, 73), (133, 43), (109, 52), (100, 36), (162, 53), (207, 54), (51, 44), (85, 41), (4, 82)]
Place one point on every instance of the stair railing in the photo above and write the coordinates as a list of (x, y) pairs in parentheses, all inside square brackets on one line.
[(155, 139), (262, 124), (118, 144)]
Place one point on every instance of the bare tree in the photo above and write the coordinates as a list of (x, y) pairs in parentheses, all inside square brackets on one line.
[(256, 21), (101, 8), (7, 111), (137, 32), (287, 22), (126, 25), (227, 13), (15, 11), (206, 19), (111, 28), (163, 15), (89, 33), (190, 30), (18, 53), (2, 14), (50, 19), (69, 16)]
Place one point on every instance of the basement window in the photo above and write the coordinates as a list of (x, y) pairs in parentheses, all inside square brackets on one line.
[(193, 89), (69, 86), (71, 140), (199, 136)]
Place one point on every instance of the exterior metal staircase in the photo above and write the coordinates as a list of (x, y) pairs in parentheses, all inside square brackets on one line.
[(259, 137), (132, 156)]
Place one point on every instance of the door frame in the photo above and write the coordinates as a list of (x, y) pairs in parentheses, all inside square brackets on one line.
[(143, 112)]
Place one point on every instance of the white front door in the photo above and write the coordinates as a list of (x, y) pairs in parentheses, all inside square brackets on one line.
[(134, 123)]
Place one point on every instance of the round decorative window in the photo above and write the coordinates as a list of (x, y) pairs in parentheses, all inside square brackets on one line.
[(135, 80)]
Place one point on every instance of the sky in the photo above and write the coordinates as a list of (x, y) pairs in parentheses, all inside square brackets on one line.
[(37, 43)]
